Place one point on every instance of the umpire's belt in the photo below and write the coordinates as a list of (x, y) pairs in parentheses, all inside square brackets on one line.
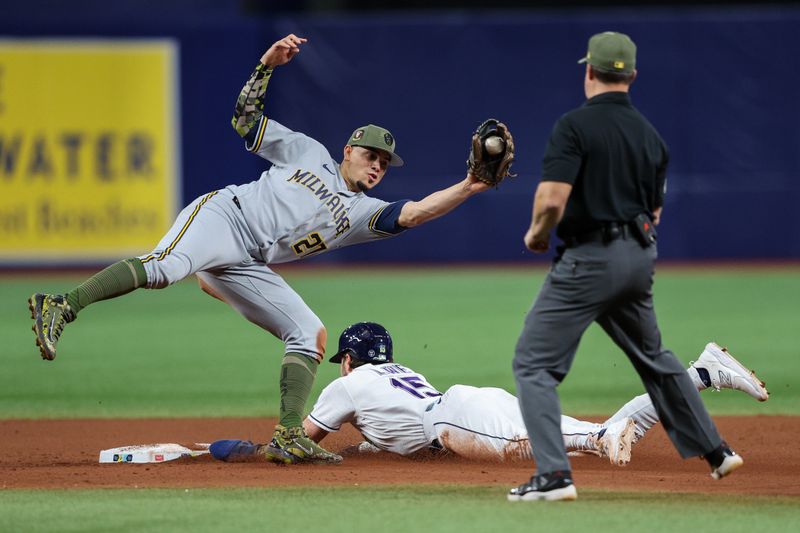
[(608, 232)]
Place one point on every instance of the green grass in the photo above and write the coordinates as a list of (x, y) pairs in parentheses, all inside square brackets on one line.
[(433, 508), (178, 352)]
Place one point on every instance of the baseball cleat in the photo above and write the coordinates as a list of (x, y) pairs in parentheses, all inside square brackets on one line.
[(723, 461), (50, 313), (616, 441), (292, 445), (555, 486), (725, 372)]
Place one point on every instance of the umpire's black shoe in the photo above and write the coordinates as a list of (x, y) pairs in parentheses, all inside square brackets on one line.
[(551, 487), (723, 461)]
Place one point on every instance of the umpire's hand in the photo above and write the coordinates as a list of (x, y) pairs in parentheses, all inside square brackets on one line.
[(537, 243)]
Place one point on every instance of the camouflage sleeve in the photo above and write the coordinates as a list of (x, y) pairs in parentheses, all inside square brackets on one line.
[(250, 104)]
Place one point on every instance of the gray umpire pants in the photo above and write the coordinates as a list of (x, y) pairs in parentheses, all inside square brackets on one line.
[(612, 285)]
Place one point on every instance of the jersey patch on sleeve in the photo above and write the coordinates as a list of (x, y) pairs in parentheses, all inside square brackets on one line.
[(255, 136), (385, 220)]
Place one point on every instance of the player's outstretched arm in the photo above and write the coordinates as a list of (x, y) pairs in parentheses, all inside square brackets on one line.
[(250, 104), (440, 203)]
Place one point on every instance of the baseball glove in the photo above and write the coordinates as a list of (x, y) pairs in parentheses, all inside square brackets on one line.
[(492, 152)]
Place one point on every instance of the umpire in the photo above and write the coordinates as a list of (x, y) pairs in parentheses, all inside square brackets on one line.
[(602, 185)]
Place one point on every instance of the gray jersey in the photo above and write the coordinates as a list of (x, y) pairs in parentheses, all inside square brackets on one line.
[(301, 205)]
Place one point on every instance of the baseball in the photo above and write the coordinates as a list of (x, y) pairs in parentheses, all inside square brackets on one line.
[(494, 145)]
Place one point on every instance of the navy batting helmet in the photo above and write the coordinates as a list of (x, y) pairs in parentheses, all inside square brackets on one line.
[(365, 341)]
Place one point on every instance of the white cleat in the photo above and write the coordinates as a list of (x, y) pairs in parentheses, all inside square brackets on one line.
[(617, 441), (728, 373)]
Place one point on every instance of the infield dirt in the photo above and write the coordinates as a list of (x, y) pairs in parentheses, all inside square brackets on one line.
[(64, 454)]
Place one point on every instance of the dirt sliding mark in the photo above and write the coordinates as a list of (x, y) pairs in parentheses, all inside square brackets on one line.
[(64, 454)]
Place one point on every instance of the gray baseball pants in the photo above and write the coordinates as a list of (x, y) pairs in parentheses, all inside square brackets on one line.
[(210, 238), (612, 285)]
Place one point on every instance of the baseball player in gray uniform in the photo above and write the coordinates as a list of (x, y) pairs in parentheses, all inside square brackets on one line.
[(305, 204), (397, 409)]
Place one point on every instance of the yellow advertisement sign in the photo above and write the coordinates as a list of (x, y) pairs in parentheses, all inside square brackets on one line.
[(88, 149)]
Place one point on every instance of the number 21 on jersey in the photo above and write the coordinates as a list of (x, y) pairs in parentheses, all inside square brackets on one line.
[(310, 244), (416, 386)]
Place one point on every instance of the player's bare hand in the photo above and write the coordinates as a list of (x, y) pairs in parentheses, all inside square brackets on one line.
[(282, 51), (536, 243)]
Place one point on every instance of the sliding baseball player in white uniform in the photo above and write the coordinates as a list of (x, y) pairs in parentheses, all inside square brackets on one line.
[(397, 410)]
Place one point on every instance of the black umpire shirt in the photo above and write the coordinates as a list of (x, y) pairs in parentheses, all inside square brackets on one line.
[(614, 159)]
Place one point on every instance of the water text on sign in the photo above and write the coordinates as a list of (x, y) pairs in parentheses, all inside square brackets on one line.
[(108, 157)]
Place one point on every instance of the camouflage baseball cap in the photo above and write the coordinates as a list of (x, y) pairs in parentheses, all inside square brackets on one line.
[(611, 52), (372, 136)]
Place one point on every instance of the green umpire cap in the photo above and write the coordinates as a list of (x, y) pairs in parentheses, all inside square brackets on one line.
[(611, 51), (372, 136)]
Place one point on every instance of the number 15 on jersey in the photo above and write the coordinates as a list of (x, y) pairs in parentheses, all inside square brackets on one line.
[(415, 386)]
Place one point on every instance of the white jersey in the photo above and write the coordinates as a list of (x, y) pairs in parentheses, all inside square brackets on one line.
[(397, 410), (384, 402), (301, 205)]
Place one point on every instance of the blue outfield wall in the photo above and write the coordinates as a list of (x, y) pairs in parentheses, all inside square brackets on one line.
[(720, 84)]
